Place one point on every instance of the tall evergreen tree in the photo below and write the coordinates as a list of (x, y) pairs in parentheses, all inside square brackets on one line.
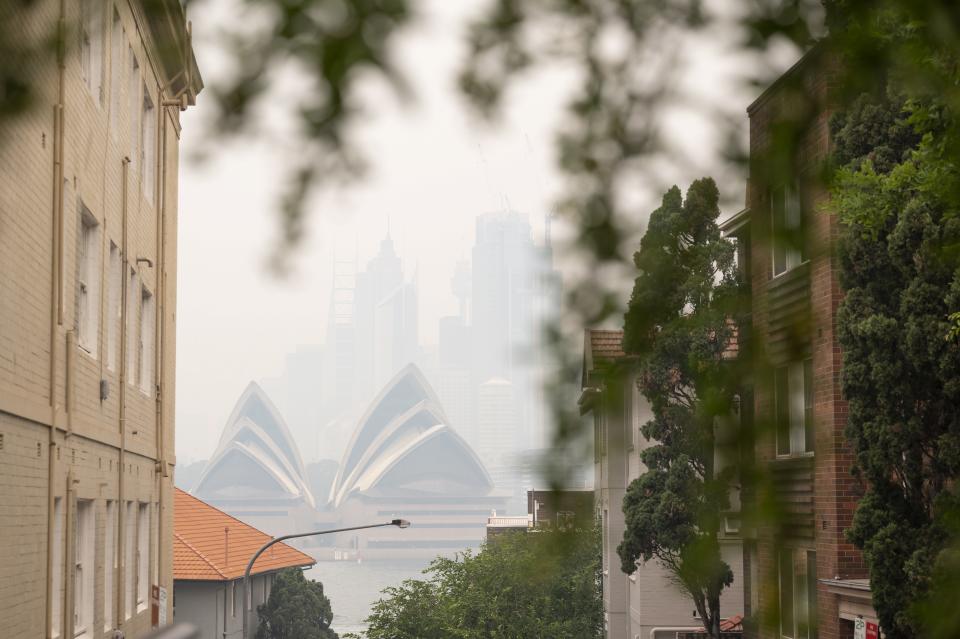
[(295, 609), (900, 269), (679, 326)]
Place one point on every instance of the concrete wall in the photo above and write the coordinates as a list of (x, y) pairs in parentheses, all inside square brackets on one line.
[(59, 438), (215, 607), (636, 604)]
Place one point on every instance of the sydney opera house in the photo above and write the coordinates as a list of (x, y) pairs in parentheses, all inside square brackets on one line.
[(403, 460)]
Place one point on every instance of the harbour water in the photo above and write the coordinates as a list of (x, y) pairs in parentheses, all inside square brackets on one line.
[(354, 587)]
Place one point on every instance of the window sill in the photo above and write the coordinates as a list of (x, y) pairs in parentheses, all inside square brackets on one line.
[(786, 272), (787, 457)]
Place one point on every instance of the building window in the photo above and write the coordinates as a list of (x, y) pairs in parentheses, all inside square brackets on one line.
[(83, 570), (129, 558), (597, 444), (132, 302), (88, 282), (109, 564), (113, 305), (133, 99), (56, 582), (91, 47), (143, 556), (787, 213), (793, 404), (797, 578), (155, 562), (117, 39), (148, 149), (146, 341), (630, 414)]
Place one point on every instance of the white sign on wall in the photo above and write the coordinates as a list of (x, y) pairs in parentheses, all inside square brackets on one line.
[(162, 616), (859, 628)]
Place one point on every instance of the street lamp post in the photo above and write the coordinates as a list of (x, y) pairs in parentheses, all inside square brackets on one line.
[(399, 523)]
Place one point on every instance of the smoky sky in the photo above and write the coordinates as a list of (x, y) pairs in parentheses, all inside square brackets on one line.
[(434, 169)]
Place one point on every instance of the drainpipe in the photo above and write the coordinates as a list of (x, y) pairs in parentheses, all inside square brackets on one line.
[(122, 398), (160, 345), (70, 378), (56, 303)]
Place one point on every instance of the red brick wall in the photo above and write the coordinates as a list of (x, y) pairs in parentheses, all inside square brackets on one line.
[(835, 489)]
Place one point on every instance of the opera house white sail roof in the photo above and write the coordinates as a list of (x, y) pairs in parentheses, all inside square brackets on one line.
[(256, 458), (404, 448)]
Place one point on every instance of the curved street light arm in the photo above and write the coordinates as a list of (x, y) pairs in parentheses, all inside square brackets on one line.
[(247, 604)]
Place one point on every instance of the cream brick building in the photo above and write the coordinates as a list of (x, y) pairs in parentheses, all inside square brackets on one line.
[(88, 229)]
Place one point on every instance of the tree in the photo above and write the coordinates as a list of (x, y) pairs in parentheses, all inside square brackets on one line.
[(538, 584), (900, 269), (296, 609), (678, 324)]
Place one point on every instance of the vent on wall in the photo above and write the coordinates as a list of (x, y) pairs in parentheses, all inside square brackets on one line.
[(1, 441)]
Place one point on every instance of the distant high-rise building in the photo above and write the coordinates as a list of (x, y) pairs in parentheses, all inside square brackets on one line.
[(453, 376), (502, 280), (384, 319), (296, 391), (514, 290), (497, 428)]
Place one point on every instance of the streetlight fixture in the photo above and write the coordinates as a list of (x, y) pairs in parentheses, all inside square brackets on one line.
[(399, 523)]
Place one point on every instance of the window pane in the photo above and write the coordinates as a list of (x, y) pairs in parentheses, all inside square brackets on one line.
[(146, 341), (786, 594), (781, 410), (113, 305), (812, 592), (143, 556), (84, 567), (57, 580), (801, 600), (109, 563), (798, 435), (808, 425), (117, 38), (793, 216), (131, 323), (777, 206), (129, 559)]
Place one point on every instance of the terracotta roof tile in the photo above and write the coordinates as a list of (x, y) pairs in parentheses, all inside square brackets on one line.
[(606, 345), (210, 545), (733, 624)]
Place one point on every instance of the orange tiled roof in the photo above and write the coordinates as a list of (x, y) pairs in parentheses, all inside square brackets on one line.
[(210, 545), (733, 624), (606, 344)]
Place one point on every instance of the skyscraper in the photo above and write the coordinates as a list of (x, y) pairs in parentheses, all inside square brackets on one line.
[(514, 290)]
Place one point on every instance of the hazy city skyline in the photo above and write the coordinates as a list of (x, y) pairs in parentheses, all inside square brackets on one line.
[(438, 171), (434, 169)]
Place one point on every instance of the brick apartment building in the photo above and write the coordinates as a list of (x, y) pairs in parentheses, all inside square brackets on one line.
[(88, 228), (803, 566)]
